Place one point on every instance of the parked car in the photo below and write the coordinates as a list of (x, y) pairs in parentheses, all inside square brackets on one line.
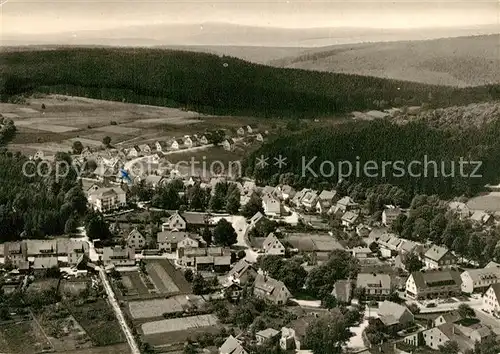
[(432, 304)]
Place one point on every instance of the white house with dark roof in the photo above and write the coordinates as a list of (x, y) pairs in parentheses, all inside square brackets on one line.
[(297, 198), (491, 299), (439, 257), (325, 201), (375, 286), (271, 289), (309, 199), (432, 284), (478, 280), (272, 246)]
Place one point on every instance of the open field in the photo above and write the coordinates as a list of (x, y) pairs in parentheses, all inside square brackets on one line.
[(23, 337), (99, 321), (178, 324), (462, 61), (42, 285), (166, 278), (66, 119), (73, 287)]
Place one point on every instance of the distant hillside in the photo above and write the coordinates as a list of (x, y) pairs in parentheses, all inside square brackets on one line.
[(463, 61), (212, 84)]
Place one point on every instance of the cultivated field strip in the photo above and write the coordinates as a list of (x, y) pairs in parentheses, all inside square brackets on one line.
[(178, 324), (161, 278)]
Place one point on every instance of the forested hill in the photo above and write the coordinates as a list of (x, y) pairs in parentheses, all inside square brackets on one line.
[(214, 85), (381, 141)]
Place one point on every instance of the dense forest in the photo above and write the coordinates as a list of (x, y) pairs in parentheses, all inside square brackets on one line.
[(381, 141), (40, 205), (212, 84)]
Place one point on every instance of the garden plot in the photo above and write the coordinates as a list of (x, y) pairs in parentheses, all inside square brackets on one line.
[(23, 337), (52, 128), (133, 283), (179, 324), (157, 307), (10, 115), (162, 280)]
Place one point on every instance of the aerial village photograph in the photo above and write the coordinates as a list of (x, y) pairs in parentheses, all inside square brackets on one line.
[(249, 177)]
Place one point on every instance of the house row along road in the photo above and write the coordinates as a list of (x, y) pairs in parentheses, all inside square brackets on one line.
[(111, 295)]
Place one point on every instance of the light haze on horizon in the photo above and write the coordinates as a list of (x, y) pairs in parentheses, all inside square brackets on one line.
[(38, 17)]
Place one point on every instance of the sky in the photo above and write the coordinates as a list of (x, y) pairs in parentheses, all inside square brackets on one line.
[(25, 17)]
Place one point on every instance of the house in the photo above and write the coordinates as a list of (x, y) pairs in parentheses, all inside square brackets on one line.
[(478, 280), (118, 256), (390, 214), (266, 335), (361, 252), (228, 144), (41, 248), (15, 253), (188, 142), (273, 246), (242, 272), (325, 201), (106, 199), (72, 249), (145, 148), (259, 137), (345, 204), (394, 316), (271, 290), (203, 140), (169, 240), (433, 284), (449, 317), (349, 219), (309, 199), (271, 205), (342, 290), (161, 146), (376, 286), (233, 291), (222, 264), (439, 257), (231, 346), (240, 131), (136, 240), (465, 337), (482, 218), (491, 299), (256, 218), (285, 192), (297, 198), (363, 230), (134, 151), (175, 222)]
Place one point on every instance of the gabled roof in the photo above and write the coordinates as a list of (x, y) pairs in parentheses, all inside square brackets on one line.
[(451, 317), (346, 201), (270, 240), (391, 312), (240, 268), (327, 195), (231, 346), (135, 233), (432, 278), (496, 290), (258, 215), (171, 236), (435, 253), (269, 285), (350, 216), (483, 274), (267, 333), (369, 280)]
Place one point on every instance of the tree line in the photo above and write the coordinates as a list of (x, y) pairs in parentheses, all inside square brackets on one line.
[(215, 84)]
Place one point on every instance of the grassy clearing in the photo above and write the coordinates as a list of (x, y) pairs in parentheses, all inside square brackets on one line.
[(22, 337)]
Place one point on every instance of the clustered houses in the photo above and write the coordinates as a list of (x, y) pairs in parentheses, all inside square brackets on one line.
[(44, 254), (106, 199), (478, 280)]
